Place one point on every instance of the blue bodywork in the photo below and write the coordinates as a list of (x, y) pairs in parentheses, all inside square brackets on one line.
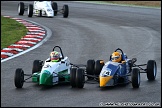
[(119, 71)]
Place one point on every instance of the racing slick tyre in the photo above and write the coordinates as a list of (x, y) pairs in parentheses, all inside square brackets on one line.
[(65, 11), (19, 78), (37, 66), (98, 67), (30, 10), (90, 68), (135, 76), (73, 77), (55, 8), (80, 78), (21, 8), (151, 70)]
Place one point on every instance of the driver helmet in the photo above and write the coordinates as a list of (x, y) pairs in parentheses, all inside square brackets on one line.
[(54, 56), (116, 57)]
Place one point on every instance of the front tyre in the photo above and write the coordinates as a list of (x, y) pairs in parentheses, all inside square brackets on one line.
[(90, 68), (30, 10), (98, 67), (21, 8), (55, 8), (37, 66), (151, 70), (65, 11), (80, 78), (135, 76), (19, 78)]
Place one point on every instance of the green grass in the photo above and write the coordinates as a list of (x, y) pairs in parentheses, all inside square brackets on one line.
[(11, 31)]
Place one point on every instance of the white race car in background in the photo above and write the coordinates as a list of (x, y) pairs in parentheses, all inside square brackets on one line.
[(43, 8)]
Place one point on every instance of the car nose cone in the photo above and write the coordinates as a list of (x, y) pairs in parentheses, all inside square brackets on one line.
[(104, 80)]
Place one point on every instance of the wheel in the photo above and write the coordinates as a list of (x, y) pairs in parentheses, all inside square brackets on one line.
[(73, 77), (55, 8), (30, 10), (90, 68), (80, 78), (135, 75), (19, 78), (65, 11), (40, 13), (151, 70), (37, 66), (98, 67), (21, 8)]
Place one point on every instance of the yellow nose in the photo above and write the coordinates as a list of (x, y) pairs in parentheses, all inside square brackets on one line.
[(104, 80)]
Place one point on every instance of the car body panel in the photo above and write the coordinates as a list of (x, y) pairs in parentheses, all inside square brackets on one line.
[(113, 73), (53, 72), (45, 7)]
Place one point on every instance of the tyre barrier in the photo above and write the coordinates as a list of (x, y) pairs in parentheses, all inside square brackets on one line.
[(34, 35)]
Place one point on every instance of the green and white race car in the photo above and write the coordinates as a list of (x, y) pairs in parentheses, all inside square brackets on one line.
[(47, 73)]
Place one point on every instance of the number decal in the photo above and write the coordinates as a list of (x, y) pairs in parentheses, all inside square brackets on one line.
[(47, 66)]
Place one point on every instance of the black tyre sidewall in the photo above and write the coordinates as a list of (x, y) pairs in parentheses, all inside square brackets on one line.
[(151, 65), (30, 14), (55, 8), (135, 76), (19, 78), (36, 66), (98, 67), (90, 68), (73, 77), (66, 11), (21, 4), (80, 78)]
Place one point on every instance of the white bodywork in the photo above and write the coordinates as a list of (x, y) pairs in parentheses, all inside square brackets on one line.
[(56, 67), (45, 6)]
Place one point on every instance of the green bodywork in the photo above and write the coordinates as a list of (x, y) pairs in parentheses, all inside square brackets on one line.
[(46, 78)]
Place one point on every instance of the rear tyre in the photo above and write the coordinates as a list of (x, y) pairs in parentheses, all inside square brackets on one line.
[(73, 77), (55, 8), (65, 11), (19, 78), (21, 8), (151, 70), (30, 10), (135, 76), (37, 66), (90, 68), (80, 78)]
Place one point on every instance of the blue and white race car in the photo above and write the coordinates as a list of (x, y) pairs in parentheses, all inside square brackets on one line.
[(114, 73), (42, 8)]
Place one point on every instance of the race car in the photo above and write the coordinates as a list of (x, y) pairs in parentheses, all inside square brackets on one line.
[(43, 8), (114, 73), (46, 73)]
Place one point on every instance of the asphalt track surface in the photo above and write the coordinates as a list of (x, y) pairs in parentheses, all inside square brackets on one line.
[(90, 32)]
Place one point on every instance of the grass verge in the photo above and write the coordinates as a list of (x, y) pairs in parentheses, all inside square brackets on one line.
[(11, 31)]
